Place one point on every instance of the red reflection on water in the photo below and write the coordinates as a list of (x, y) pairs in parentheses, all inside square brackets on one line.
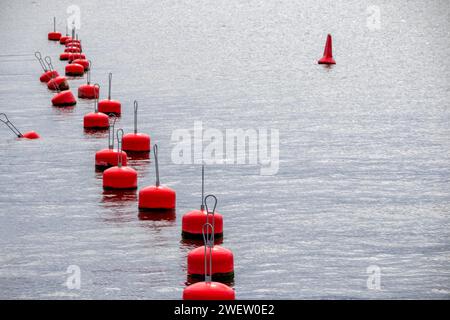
[(158, 215)]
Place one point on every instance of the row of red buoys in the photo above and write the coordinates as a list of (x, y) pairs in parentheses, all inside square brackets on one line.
[(210, 262)]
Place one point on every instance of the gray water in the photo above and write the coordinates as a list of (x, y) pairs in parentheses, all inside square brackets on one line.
[(364, 148)]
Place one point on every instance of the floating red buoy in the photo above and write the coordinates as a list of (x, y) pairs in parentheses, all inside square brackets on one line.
[(193, 221), (74, 70), (88, 91), (96, 120), (54, 36), (107, 158), (107, 105), (48, 72), (136, 142), (26, 135), (64, 99), (58, 84), (64, 56), (208, 290), (222, 259), (63, 39), (120, 177), (157, 197), (72, 49), (73, 44), (74, 56), (85, 63), (328, 52)]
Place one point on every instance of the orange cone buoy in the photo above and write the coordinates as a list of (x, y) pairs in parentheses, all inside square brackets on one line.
[(54, 36), (328, 52), (107, 158), (157, 197), (193, 221), (136, 142), (27, 135), (107, 105), (96, 120), (120, 177)]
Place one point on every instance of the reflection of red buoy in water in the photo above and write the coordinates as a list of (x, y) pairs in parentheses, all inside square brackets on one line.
[(328, 53), (156, 197), (48, 72), (109, 157), (222, 260), (88, 90), (193, 221), (64, 99), (107, 105), (208, 289), (119, 177), (54, 36), (27, 135), (96, 120), (136, 142)]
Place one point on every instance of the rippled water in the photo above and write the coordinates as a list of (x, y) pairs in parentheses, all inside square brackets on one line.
[(364, 148)]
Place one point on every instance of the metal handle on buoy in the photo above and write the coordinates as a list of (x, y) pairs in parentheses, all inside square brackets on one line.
[(38, 56), (48, 60), (10, 125), (155, 153), (96, 97), (202, 206), (111, 131), (135, 116), (119, 147), (209, 245), (54, 24), (208, 213), (88, 77), (73, 30), (109, 86), (67, 30)]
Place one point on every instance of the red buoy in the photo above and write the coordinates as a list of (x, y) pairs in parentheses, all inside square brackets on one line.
[(74, 56), (328, 52), (136, 142), (157, 197), (193, 221), (63, 39), (64, 99), (85, 63), (64, 56), (119, 177), (88, 90), (208, 290), (54, 36), (73, 44), (26, 135), (204, 258), (74, 70), (58, 84), (107, 105), (48, 72), (96, 120), (72, 49), (107, 158)]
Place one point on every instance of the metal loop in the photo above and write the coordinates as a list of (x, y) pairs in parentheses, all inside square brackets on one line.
[(202, 206), (135, 115), (119, 147), (54, 24), (48, 60), (206, 203), (38, 56), (155, 153), (10, 125), (209, 245), (112, 123), (96, 96), (109, 86), (88, 77)]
